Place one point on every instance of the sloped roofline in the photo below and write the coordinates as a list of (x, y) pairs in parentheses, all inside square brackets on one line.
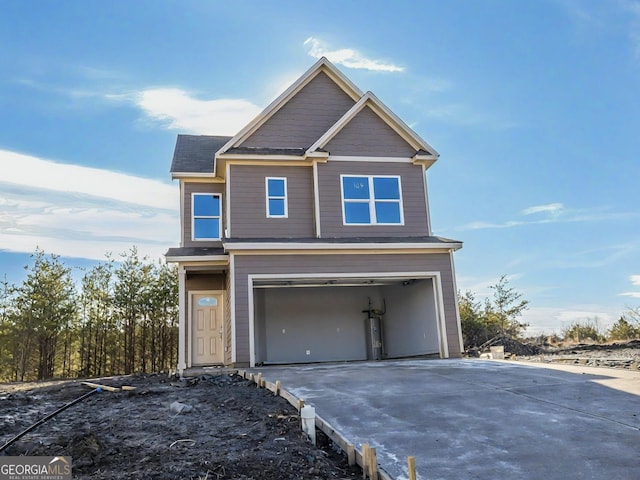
[(390, 118), (322, 65)]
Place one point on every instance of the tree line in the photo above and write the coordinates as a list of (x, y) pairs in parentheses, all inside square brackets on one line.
[(121, 317), (500, 314)]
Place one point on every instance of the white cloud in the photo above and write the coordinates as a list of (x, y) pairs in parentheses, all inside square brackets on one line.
[(550, 320), (553, 208), (33, 172), (181, 111), (83, 212), (459, 114), (635, 281), (348, 57), (554, 213)]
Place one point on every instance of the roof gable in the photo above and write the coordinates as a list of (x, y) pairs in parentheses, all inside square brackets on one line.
[(368, 135), (304, 117), (420, 147), (321, 66)]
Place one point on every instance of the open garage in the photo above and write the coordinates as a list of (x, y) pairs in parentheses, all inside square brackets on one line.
[(346, 319)]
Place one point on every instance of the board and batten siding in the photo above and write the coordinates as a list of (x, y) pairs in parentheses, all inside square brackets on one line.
[(413, 199), (369, 136), (189, 189), (248, 202), (246, 265), (305, 117)]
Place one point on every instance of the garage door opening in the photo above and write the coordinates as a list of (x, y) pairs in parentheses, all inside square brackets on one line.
[(338, 319)]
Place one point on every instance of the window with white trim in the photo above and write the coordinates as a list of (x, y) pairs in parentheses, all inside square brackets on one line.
[(276, 191), (371, 200), (206, 221)]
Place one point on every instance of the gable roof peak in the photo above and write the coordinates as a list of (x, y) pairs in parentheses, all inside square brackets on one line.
[(322, 65)]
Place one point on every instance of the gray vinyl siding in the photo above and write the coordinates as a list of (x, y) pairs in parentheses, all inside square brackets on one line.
[(336, 263), (248, 202), (194, 187), (305, 117), (368, 135), (413, 199)]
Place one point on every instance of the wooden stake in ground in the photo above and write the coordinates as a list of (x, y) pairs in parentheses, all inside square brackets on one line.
[(365, 460), (373, 464), (411, 461)]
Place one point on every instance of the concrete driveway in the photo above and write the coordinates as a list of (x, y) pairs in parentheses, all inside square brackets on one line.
[(475, 419)]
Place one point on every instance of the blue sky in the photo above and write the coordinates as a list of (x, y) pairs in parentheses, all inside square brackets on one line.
[(533, 106)]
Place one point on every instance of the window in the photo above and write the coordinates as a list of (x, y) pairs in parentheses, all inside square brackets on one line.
[(371, 200), (208, 302), (276, 189), (206, 210)]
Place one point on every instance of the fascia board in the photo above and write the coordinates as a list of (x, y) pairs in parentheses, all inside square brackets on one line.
[(217, 259), (339, 246), (191, 175), (321, 65)]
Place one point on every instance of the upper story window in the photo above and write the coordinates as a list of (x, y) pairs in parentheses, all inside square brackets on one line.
[(207, 218), (276, 190), (371, 200)]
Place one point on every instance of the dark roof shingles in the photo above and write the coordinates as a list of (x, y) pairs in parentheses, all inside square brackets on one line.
[(195, 153)]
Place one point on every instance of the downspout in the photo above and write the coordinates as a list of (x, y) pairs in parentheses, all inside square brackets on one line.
[(316, 199), (426, 199)]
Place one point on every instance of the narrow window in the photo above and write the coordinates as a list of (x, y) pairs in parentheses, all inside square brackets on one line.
[(276, 190), (371, 200), (207, 216)]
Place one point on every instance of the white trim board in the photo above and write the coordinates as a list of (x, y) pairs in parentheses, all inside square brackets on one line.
[(435, 276)]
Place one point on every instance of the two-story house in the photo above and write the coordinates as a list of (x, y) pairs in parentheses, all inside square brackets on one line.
[(306, 237)]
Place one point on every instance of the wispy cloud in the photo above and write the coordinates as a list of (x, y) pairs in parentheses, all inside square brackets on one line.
[(635, 281), (588, 258), (459, 114), (348, 57), (178, 109), (173, 108), (633, 7), (552, 213), (550, 320), (553, 208), (82, 212)]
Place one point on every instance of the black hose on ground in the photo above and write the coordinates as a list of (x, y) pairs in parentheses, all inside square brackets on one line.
[(48, 417)]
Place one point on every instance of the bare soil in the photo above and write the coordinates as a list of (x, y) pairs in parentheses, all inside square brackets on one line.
[(623, 354), (228, 429)]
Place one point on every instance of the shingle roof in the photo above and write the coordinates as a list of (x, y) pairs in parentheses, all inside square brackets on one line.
[(194, 251), (194, 153)]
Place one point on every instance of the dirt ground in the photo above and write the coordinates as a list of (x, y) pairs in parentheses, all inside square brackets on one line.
[(227, 429), (612, 355)]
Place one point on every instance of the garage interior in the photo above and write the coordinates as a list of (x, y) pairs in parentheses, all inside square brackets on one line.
[(329, 320)]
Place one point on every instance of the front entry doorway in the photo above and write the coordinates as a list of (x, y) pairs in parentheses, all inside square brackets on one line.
[(207, 329)]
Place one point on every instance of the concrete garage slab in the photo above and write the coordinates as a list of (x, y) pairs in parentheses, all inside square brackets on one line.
[(476, 419)]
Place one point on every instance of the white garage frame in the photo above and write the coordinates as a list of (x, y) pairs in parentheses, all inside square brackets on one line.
[(435, 276)]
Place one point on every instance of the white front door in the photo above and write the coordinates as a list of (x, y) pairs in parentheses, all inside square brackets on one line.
[(207, 329)]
